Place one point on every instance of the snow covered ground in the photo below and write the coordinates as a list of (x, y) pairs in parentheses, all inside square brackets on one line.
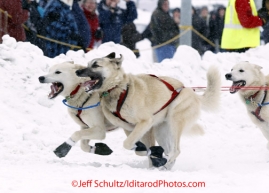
[(231, 156)]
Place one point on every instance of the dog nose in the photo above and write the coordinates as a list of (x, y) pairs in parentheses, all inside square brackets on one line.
[(228, 76), (41, 79), (78, 72)]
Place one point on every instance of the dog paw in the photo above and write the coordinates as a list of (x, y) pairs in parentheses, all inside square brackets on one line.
[(140, 146), (102, 149), (156, 156), (62, 150), (141, 149)]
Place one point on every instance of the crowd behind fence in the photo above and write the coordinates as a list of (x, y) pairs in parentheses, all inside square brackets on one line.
[(42, 26)]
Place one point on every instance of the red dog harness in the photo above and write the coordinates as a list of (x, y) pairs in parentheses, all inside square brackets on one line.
[(256, 113), (124, 94), (72, 94)]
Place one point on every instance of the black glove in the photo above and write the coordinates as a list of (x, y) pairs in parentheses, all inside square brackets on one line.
[(263, 13), (98, 34)]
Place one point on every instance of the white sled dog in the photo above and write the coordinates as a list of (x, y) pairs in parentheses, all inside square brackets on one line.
[(138, 103), (91, 121), (245, 74)]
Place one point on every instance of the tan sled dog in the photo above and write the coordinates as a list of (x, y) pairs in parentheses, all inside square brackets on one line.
[(138, 103), (245, 75), (91, 121)]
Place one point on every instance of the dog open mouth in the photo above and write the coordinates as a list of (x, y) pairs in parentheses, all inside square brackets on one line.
[(56, 88), (237, 85), (90, 84)]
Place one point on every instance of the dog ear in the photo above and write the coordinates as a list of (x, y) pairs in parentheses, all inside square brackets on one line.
[(112, 55), (257, 67), (118, 61)]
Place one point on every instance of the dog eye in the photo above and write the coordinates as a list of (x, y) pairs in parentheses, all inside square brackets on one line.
[(58, 72), (241, 70), (95, 65)]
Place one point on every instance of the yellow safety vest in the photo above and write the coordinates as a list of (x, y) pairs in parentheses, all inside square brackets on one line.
[(234, 35)]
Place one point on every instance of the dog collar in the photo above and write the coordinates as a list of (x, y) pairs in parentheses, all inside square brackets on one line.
[(72, 94), (250, 98), (106, 93)]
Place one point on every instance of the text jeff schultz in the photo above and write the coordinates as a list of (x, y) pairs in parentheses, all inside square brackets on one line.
[(135, 184)]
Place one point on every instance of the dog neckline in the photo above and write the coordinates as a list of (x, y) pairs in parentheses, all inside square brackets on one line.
[(250, 100), (251, 97), (72, 94)]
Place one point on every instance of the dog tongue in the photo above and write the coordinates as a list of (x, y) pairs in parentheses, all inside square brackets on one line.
[(89, 83), (232, 88), (53, 91), (235, 87)]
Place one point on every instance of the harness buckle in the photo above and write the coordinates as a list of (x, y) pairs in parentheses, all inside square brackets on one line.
[(68, 98)]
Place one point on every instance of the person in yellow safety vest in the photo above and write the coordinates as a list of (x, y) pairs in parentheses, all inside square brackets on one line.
[(241, 26)]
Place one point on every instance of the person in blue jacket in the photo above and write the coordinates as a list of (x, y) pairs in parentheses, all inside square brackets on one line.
[(112, 18), (61, 25)]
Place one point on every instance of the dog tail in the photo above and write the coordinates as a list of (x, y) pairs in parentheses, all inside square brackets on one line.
[(211, 98)]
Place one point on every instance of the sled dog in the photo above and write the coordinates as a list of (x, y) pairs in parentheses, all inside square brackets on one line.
[(138, 103), (247, 75), (92, 123)]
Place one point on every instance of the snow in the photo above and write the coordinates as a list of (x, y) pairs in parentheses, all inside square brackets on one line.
[(230, 157)]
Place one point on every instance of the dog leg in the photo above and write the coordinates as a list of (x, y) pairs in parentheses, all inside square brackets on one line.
[(162, 133), (139, 131), (177, 122), (132, 142), (149, 141), (84, 145), (141, 149), (85, 135), (116, 122), (89, 133)]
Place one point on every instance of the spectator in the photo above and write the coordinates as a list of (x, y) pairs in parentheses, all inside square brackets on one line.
[(241, 26), (130, 36), (61, 26), (216, 25), (34, 23), (14, 24), (112, 18), (176, 15), (200, 26), (265, 33), (205, 17), (89, 9), (213, 28), (164, 28), (84, 31), (220, 24), (42, 4), (148, 34)]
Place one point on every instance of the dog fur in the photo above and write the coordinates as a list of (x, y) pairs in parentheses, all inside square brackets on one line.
[(245, 74), (147, 95), (94, 125)]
